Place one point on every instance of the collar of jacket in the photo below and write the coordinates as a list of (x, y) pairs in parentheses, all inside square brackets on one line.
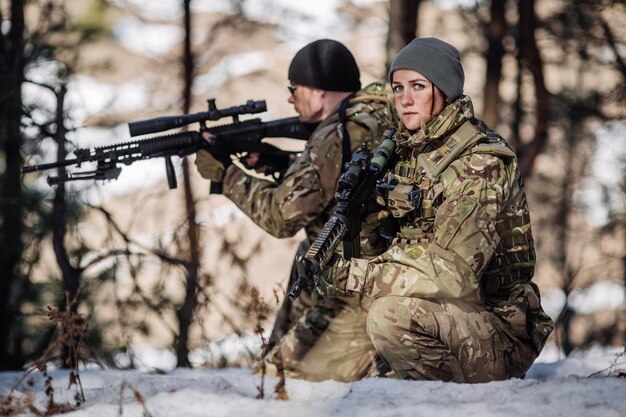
[(451, 117), (371, 92)]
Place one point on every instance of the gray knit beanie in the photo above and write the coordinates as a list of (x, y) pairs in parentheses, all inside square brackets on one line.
[(435, 59)]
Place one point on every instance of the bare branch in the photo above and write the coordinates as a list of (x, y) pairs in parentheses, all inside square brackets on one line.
[(610, 37)]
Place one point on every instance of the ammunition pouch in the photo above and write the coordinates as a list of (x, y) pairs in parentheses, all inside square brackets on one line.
[(501, 282), (403, 199)]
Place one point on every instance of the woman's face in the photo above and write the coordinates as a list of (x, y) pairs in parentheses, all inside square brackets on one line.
[(416, 99)]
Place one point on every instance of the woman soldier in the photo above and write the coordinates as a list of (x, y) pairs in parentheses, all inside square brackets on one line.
[(454, 297)]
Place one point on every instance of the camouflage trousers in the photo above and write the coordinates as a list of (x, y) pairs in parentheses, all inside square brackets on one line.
[(329, 341), (446, 340), (290, 311), (318, 338)]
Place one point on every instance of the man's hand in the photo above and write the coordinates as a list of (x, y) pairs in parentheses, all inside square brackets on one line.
[(254, 161), (209, 167)]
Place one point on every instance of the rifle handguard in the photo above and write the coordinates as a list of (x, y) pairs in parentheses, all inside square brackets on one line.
[(356, 187), (327, 241)]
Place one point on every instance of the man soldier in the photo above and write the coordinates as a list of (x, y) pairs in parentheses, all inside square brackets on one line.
[(315, 337)]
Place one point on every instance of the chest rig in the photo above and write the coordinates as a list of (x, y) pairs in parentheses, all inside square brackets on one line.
[(412, 192)]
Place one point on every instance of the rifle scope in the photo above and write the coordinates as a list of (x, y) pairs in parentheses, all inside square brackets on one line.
[(159, 124)]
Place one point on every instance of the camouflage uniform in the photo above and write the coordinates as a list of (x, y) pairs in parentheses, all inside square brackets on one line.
[(454, 299), (326, 337)]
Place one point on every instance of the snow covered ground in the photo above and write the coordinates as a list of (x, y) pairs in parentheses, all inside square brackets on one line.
[(569, 388)]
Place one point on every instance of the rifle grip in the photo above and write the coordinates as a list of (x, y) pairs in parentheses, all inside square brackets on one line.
[(171, 174), (297, 287), (216, 188)]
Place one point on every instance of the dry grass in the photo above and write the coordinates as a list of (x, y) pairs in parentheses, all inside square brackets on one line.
[(71, 329), (138, 397), (260, 310)]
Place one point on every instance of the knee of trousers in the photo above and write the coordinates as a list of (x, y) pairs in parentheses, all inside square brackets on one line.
[(385, 325), (392, 319)]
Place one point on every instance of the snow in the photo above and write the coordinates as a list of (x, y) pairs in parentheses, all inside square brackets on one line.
[(220, 216), (151, 39), (229, 68), (563, 388), (450, 4), (298, 22), (600, 192), (87, 97), (603, 295)]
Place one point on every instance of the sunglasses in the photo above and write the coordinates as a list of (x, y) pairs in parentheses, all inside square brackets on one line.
[(292, 88)]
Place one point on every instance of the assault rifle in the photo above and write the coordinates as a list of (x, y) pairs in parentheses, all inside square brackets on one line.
[(356, 189), (236, 139)]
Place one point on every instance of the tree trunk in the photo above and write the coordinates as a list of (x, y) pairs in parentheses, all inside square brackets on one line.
[(561, 226), (515, 139), (185, 313), (531, 58), (71, 275), (402, 26), (495, 35), (577, 146), (11, 203)]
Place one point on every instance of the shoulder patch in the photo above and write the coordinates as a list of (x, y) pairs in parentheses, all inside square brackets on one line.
[(499, 148), (464, 137)]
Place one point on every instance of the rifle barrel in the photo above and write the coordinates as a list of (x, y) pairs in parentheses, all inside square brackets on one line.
[(50, 165)]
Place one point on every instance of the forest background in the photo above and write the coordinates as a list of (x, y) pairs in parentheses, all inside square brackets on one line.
[(117, 273)]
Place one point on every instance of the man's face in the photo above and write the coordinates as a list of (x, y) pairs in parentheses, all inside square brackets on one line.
[(308, 102), (416, 99)]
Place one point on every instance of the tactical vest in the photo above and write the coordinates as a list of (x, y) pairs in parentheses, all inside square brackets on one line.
[(413, 192), (365, 111), (365, 120)]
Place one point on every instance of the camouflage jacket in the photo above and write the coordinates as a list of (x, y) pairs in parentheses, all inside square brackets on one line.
[(462, 224), (306, 194)]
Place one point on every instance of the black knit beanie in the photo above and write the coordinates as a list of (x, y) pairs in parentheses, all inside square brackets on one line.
[(325, 64), (435, 59)]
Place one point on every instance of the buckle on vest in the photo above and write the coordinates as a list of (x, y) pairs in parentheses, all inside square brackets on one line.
[(415, 196), (401, 199)]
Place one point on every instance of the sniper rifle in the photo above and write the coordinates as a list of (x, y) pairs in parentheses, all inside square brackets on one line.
[(235, 139)]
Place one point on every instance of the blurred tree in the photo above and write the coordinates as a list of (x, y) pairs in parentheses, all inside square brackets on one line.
[(25, 218), (192, 265), (197, 282), (581, 31), (12, 278), (40, 57), (403, 15), (94, 22), (70, 273), (530, 60), (495, 31), (579, 48)]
